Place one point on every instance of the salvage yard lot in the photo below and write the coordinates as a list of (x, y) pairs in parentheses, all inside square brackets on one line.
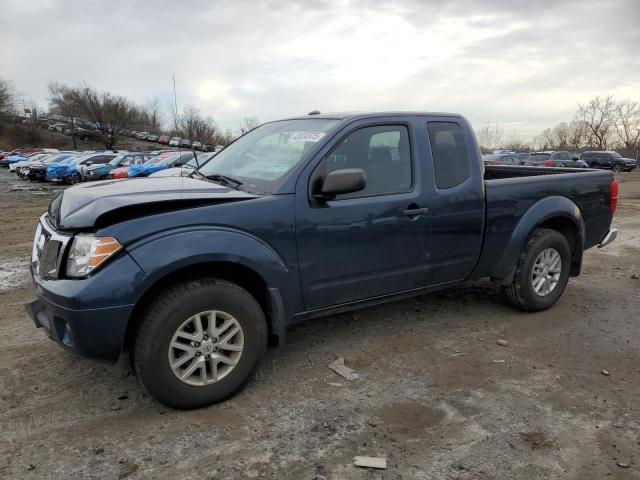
[(438, 396)]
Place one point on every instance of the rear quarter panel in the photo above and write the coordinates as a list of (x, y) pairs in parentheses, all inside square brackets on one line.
[(517, 206)]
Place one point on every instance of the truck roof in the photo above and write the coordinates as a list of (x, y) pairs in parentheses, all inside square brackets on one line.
[(358, 115)]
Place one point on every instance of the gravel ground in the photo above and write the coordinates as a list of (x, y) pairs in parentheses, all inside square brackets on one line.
[(438, 396)]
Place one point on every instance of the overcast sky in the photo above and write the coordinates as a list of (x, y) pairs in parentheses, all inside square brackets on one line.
[(522, 63)]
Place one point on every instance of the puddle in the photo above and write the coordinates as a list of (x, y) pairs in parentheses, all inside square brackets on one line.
[(14, 272)]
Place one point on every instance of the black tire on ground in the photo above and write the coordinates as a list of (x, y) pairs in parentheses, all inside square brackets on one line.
[(521, 293), (168, 312)]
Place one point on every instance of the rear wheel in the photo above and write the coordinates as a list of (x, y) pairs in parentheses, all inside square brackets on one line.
[(199, 343), (542, 271), (72, 179)]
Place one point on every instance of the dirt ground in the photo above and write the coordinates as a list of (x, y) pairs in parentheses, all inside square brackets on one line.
[(438, 397)]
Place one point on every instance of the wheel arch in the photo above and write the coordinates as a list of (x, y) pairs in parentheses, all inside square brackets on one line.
[(555, 213), (267, 297)]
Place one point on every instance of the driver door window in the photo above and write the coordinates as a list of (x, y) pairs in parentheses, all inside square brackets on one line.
[(382, 152)]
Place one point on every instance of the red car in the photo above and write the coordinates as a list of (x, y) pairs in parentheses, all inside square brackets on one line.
[(123, 172)]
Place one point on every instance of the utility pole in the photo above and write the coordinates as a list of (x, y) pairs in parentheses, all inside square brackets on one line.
[(175, 105)]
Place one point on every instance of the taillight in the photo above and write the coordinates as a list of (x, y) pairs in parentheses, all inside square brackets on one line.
[(548, 163), (613, 200)]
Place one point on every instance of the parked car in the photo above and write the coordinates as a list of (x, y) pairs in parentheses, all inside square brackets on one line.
[(502, 159), (57, 127), (123, 170), (34, 157), (38, 171), (158, 163), (142, 135), (609, 160), (133, 134), (15, 155), (573, 162), (537, 159), (101, 172), (187, 168), (152, 138), (74, 170), (164, 139), (189, 277), (185, 143), (93, 135), (197, 145), (175, 141)]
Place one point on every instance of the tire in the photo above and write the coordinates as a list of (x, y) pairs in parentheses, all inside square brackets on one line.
[(617, 168), (167, 315), (522, 292), (72, 179)]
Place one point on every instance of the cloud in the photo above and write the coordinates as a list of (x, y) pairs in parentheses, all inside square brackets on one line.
[(518, 62)]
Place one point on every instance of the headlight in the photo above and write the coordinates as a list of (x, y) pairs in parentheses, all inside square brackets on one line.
[(88, 253)]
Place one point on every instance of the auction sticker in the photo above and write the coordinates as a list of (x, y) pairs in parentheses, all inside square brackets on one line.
[(307, 136)]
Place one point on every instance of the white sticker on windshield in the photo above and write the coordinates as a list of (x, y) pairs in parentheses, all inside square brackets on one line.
[(307, 136)]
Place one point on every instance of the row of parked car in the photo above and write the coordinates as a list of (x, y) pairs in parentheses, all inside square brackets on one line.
[(71, 167), (175, 141), (593, 159)]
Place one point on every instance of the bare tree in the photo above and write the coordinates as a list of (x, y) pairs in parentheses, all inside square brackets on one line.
[(599, 119), (151, 117), (109, 114), (248, 123), (561, 133), (63, 101), (627, 124), (490, 135), (7, 98), (576, 134)]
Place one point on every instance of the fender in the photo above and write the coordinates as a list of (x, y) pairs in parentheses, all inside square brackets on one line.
[(163, 253), (541, 211)]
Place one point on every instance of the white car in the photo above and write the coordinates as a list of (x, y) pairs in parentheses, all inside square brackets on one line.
[(175, 141), (46, 152), (185, 169)]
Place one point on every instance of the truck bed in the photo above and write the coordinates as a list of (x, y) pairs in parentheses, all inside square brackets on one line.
[(510, 191)]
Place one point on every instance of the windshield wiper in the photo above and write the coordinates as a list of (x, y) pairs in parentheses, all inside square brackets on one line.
[(232, 182)]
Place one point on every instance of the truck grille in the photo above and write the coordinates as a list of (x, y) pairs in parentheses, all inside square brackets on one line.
[(48, 247)]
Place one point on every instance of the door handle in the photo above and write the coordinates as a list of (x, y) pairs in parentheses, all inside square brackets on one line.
[(414, 211)]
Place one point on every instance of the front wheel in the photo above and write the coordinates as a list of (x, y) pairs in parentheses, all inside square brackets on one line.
[(617, 168), (542, 272), (199, 343)]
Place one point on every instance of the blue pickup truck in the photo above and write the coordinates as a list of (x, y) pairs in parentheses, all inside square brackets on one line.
[(185, 281)]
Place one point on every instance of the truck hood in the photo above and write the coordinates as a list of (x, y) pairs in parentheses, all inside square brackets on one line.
[(90, 205)]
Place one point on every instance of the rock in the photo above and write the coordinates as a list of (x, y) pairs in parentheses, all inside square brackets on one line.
[(370, 462), (605, 372), (341, 369), (372, 423), (98, 451), (123, 397), (498, 361), (31, 466), (502, 342), (635, 276), (622, 464)]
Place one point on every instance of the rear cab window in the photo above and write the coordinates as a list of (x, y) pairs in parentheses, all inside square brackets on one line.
[(449, 152)]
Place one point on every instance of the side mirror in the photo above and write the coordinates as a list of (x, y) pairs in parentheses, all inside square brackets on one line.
[(346, 180)]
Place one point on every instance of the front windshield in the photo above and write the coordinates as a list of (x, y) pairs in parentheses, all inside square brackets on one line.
[(262, 157)]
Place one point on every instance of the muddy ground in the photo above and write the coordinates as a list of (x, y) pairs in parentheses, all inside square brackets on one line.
[(438, 397)]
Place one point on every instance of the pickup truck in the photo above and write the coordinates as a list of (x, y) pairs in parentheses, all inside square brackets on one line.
[(185, 281)]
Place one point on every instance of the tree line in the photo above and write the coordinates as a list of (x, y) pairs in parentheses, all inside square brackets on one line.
[(603, 123), (113, 116)]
